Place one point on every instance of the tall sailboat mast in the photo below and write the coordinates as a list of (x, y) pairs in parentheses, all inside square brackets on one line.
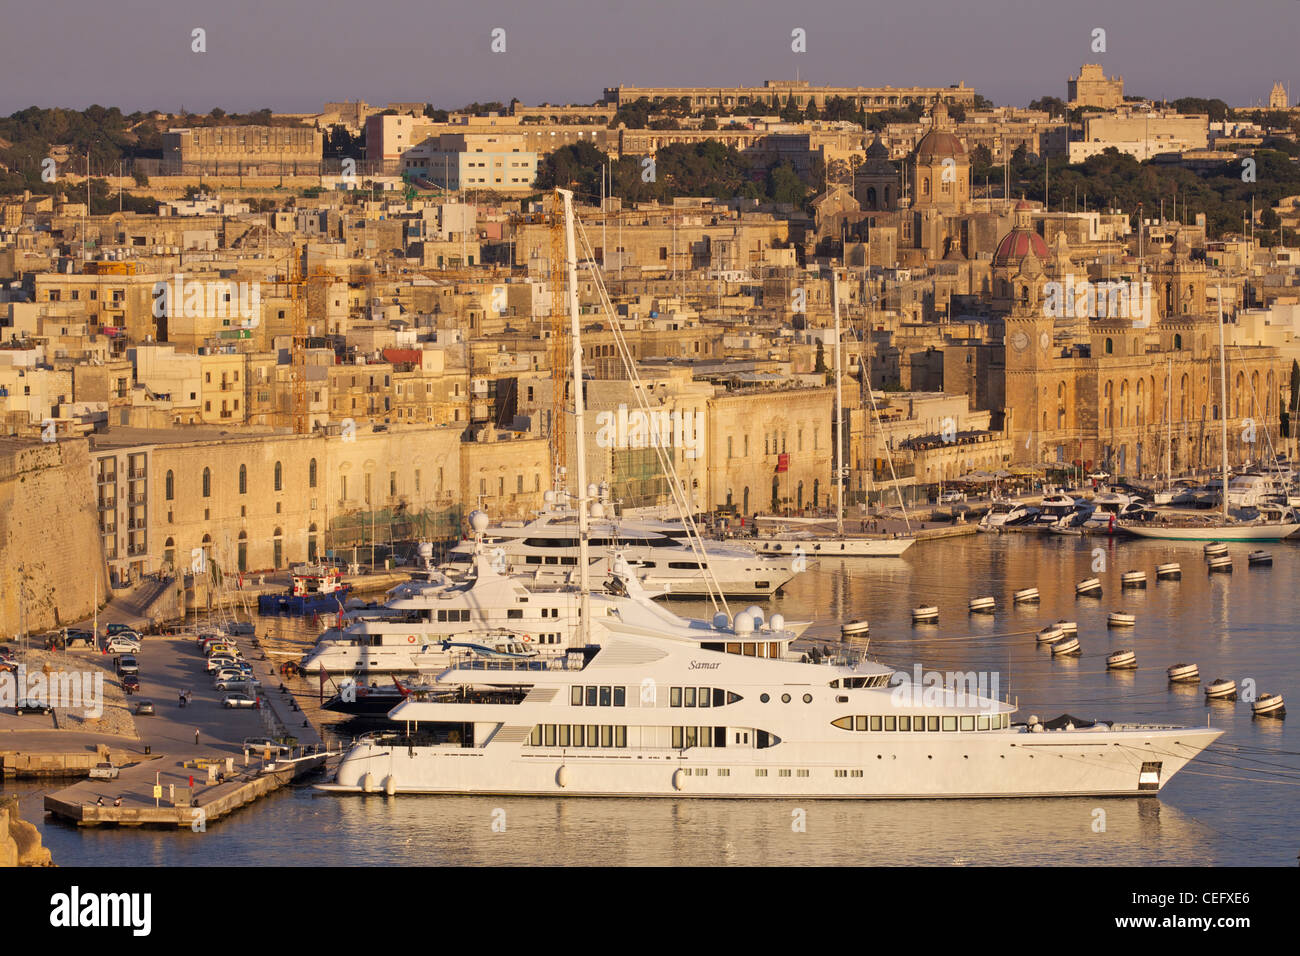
[(839, 412), (1223, 397), (579, 422)]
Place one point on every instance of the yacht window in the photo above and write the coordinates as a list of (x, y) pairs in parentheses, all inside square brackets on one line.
[(949, 723), (575, 696), (620, 736), (968, 723), (536, 738), (606, 735), (593, 734), (891, 723), (675, 697), (904, 723), (550, 735), (762, 649), (620, 696), (932, 723), (514, 613), (760, 772), (749, 649), (860, 723), (564, 735), (606, 696), (677, 738), (983, 723), (844, 723), (690, 696), (807, 698), (875, 723), (763, 698), (705, 695), (918, 724), (733, 648), (785, 698), (591, 696)]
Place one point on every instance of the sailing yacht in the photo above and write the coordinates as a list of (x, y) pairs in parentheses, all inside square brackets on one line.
[(1267, 524), (838, 545), (665, 706)]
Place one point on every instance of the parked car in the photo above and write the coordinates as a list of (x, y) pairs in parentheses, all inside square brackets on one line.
[(234, 701), (217, 663), (111, 629), (951, 497), (126, 664), (122, 645), (143, 708), (103, 771), (131, 683), (222, 648), (239, 682), (261, 744), (231, 670), (27, 706), (8, 663)]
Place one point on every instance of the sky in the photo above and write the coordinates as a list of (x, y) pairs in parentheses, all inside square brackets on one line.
[(294, 55)]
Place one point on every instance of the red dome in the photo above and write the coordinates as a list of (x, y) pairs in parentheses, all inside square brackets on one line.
[(939, 144), (1017, 244)]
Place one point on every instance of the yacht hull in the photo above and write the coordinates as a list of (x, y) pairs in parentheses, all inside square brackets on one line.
[(835, 547), (1244, 532), (890, 766)]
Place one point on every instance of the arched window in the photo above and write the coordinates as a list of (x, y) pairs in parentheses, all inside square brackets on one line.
[(243, 479), (1110, 346), (169, 486), (169, 553), (207, 482), (279, 478), (312, 550), (1178, 341), (311, 473)]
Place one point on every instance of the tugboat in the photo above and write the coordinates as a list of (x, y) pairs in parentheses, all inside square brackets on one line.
[(313, 588)]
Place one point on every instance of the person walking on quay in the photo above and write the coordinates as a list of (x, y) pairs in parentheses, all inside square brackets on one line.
[(196, 737)]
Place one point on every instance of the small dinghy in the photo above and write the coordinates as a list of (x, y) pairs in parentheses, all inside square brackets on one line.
[(1089, 586), (1260, 559), (982, 605), (1026, 595), (1050, 634), (1120, 619), (1133, 579), (855, 629), (1125, 660), (1221, 689), (1067, 647), (1269, 705), (1220, 563), (1184, 674), (1169, 572), (925, 615), (1215, 548)]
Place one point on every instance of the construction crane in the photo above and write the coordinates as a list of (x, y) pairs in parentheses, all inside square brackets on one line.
[(559, 319)]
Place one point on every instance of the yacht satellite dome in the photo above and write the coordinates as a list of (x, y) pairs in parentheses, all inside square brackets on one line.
[(743, 623), (720, 620), (548, 497), (478, 521), (777, 622), (597, 510), (756, 612), (592, 490)]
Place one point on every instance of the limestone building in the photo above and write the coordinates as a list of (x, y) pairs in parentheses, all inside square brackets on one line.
[(1093, 88)]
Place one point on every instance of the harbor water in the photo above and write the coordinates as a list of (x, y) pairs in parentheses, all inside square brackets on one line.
[(1236, 805)]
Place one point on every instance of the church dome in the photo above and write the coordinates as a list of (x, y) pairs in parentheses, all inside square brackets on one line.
[(1019, 243), (939, 144)]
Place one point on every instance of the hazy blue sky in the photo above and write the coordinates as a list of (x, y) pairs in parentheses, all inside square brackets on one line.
[(293, 55)]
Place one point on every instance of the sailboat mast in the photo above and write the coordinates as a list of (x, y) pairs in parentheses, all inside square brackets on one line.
[(1223, 397), (579, 421), (1169, 425), (839, 411)]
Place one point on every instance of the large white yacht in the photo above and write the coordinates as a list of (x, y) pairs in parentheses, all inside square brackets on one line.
[(669, 707), (546, 550)]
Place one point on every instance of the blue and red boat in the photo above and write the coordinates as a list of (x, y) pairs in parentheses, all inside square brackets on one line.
[(313, 589)]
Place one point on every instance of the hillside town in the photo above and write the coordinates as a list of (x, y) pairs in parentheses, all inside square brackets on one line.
[(283, 337)]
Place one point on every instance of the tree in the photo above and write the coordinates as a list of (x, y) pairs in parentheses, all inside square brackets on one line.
[(785, 186), (710, 122), (811, 113), (1051, 105), (819, 364)]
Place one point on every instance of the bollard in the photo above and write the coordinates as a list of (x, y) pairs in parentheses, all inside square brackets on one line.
[(147, 750)]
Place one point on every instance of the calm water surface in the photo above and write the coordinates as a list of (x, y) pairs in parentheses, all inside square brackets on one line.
[(1236, 805)]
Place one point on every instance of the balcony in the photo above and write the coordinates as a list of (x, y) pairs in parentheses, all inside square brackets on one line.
[(107, 478), (136, 474), (137, 499)]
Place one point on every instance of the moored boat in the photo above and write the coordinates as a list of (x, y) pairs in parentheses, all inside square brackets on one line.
[(1184, 674), (1124, 660)]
